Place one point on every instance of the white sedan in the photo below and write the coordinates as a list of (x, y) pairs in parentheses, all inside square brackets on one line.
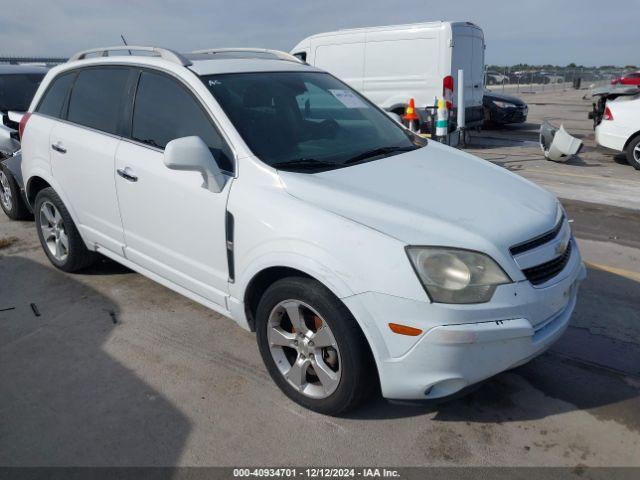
[(620, 128)]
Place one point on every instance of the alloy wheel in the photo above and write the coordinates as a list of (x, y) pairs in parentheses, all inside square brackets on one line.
[(636, 153), (304, 349), (5, 191), (53, 231)]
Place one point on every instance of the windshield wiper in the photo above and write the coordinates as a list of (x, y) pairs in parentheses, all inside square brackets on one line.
[(377, 152), (304, 163)]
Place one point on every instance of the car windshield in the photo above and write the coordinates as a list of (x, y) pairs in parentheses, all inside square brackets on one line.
[(307, 121), (17, 90)]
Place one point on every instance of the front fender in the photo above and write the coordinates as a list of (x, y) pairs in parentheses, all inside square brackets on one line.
[(317, 267), (314, 266), (264, 259), (13, 164)]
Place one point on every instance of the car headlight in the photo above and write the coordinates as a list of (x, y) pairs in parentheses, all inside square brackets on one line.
[(500, 104), (451, 275)]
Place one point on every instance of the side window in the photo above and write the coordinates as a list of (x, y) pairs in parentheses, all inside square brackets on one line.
[(301, 55), (53, 99), (164, 110), (97, 97)]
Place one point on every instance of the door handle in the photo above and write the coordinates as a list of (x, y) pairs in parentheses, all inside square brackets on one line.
[(59, 148), (126, 174)]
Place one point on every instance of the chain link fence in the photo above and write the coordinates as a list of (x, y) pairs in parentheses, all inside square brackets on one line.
[(517, 80)]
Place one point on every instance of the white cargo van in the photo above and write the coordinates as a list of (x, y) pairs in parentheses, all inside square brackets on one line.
[(392, 64)]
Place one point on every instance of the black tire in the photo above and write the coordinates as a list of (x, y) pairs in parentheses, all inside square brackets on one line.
[(631, 156), (78, 256), (359, 375), (19, 209)]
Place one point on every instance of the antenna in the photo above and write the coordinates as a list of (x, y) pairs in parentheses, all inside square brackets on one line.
[(125, 42)]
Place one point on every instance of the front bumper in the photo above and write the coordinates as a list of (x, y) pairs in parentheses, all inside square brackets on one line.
[(509, 115), (464, 344)]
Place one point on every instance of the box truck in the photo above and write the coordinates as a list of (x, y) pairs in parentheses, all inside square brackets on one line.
[(395, 63)]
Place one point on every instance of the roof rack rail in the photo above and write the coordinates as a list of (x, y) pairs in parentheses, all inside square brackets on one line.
[(276, 53), (165, 53)]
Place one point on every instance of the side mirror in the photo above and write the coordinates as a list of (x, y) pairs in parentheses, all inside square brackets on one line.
[(191, 153)]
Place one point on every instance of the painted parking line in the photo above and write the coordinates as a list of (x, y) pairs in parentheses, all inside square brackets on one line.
[(616, 271), (576, 175)]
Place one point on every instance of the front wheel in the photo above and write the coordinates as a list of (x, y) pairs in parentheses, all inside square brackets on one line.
[(312, 346), (633, 153)]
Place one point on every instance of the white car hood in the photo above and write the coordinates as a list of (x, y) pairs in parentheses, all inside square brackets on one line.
[(435, 195)]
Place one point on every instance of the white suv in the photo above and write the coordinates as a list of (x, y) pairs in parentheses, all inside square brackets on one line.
[(274, 194)]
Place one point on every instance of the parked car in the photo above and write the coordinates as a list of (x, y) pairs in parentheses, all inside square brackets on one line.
[(18, 84), (496, 78), (13, 199), (619, 128), (500, 109), (632, 78), (395, 63), (603, 94), (273, 193), (551, 78)]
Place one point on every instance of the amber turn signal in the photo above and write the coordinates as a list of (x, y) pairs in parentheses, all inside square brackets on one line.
[(404, 330)]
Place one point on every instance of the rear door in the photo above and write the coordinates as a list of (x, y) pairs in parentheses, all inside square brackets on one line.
[(468, 55), (83, 152), (36, 147), (173, 226)]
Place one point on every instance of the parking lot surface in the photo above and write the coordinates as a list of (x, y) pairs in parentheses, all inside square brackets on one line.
[(109, 368)]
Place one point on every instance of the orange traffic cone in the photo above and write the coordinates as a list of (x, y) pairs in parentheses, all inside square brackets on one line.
[(410, 112)]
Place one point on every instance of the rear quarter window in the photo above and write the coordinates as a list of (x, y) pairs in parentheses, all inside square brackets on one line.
[(55, 95), (97, 97)]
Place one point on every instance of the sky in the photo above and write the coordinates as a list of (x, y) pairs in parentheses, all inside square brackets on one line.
[(559, 32)]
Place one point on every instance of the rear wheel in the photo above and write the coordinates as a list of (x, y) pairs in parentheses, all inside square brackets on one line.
[(11, 199), (633, 153), (58, 234), (312, 347)]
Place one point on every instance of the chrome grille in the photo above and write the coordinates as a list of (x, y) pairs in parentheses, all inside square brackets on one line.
[(536, 242), (546, 271)]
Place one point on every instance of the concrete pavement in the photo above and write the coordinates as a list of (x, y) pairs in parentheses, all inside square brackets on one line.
[(117, 370)]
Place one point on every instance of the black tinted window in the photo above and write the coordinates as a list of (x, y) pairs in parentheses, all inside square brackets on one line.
[(165, 110), (308, 118), (17, 90), (97, 97), (53, 99)]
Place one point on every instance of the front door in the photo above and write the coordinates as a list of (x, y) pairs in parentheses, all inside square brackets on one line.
[(173, 226)]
